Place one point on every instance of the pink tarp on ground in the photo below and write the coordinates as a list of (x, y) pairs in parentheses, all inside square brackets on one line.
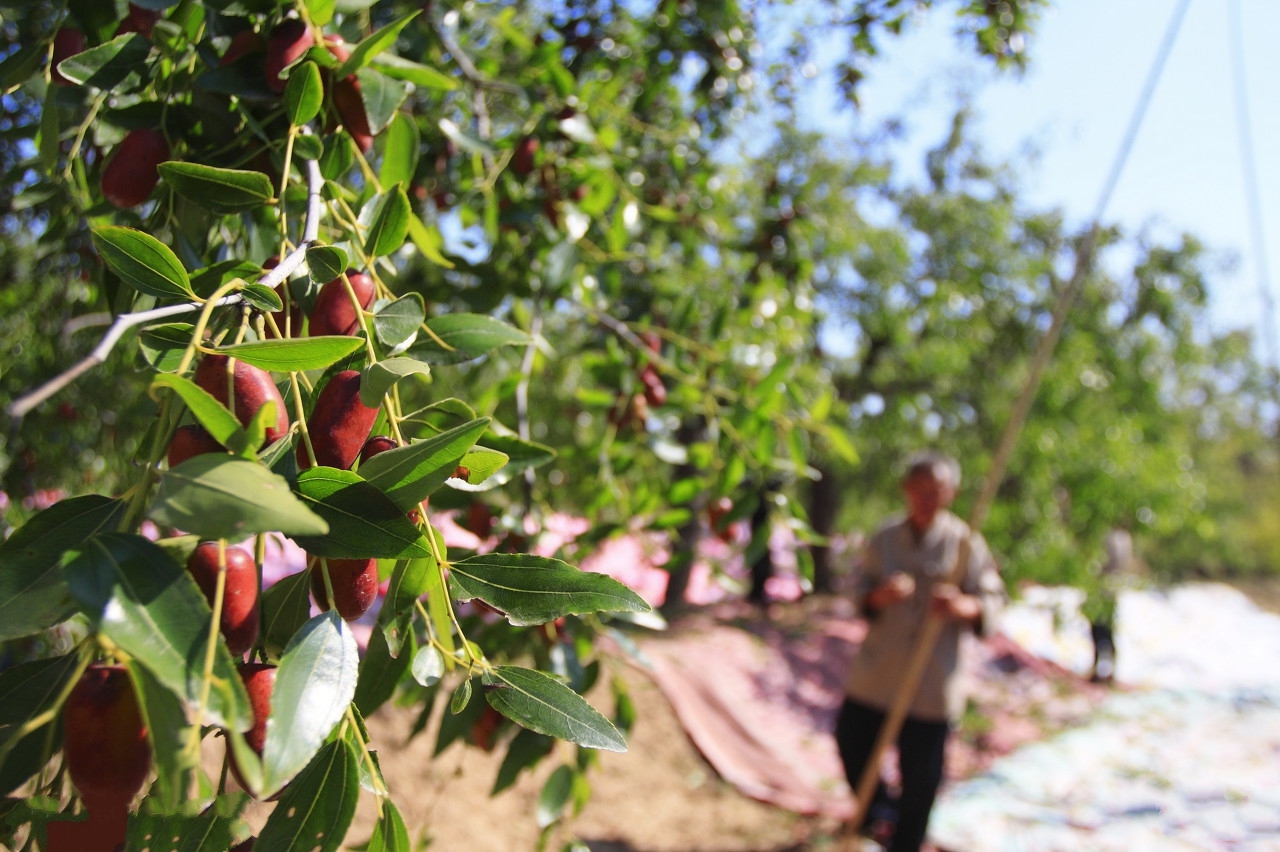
[(758, 698)]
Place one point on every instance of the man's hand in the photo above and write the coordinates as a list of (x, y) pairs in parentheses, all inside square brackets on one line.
[(951, 603), (894, 589)]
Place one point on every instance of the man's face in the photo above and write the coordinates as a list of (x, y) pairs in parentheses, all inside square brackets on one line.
[(927, 493)]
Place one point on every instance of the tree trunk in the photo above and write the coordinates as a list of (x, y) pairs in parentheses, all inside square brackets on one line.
[(824, 503)]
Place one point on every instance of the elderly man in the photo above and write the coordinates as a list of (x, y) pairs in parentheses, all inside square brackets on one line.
[(926, 562)]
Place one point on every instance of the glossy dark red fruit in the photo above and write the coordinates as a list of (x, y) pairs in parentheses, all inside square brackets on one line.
[(252, 388), (240, 615), (259, 682), (333, 312), (346, 99), (67, 42), (288, 41), (349, 104), (138, 20), (355, 585), (376, 444), (105, 739), (655, 392), (191, 440), (523, 160), (242, 43), (339, 424), (718, 518), (132, 173)]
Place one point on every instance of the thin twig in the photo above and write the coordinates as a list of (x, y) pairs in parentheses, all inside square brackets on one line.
[(311, 229)]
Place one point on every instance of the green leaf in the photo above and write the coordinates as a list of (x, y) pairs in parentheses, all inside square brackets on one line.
[(262, 298), (409, 474), (524, 751), (362, 521), (33, 591), (456, 338), (314, 684), (163, 345), (397, 322), (286, 606), (388, 222), (410, 580), (375, 44), (211, 830), (294, 355), (428, 665), (21, 64), (400, 143), (108, 65), (207, 280), (320, 12), (142, 262), (390, 833), (464, 140), (482, 463), (423, 76), (149, 607), (520, 454), (26, 691), (303, 93), (170, 735), (545, 705), (308, 147), (50, 136), (379, 674), (428, 242), (28, 755), (382, 96), (379, 378), (216, 496), (326, 263), (219, 190), (29, 689), (537, 589), (555, 795), (316, 811), (212, 415), (461, 698)]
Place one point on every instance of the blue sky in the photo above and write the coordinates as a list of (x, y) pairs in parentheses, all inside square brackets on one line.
[(1089, 62)]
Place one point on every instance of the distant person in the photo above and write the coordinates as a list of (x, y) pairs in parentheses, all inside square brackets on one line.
[(910, 570), (1100, 604)]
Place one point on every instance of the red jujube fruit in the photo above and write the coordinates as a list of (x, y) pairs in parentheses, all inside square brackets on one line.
[(333, 312), (132, 173), (191, 440), (252, 387), (339, 424), (240, 615), (288, 41), (355, 585), (259, 682), (104, 737)]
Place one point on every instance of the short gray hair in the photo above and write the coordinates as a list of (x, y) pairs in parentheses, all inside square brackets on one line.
[(936, 464)]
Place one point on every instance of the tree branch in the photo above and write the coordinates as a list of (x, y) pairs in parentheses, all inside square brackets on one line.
[(310, 230)]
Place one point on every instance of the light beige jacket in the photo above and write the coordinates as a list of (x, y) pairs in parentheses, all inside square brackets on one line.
[(876, 670)]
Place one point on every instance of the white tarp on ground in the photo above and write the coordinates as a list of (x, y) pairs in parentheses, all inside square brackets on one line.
[(1184, 756)]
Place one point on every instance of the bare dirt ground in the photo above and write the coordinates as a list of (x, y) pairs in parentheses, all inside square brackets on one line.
[(660, 796)]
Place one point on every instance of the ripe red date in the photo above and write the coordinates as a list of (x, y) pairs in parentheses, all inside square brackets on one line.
[(339, 424)]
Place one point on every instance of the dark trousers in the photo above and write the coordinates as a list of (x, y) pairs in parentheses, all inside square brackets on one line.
[(921, 755)]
